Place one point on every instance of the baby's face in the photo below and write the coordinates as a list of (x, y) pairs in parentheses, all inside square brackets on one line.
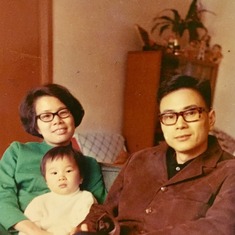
[(62, 175)]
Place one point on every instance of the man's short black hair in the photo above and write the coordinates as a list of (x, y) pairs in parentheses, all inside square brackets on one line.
[(202, 86)]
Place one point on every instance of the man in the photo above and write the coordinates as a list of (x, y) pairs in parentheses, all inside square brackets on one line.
[(186, 186)]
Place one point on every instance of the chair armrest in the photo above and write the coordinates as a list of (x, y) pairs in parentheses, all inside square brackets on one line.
[(110, 172)]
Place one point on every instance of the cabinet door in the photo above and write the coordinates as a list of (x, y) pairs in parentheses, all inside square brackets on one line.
[(25, 60), (175, 64), (140, 106)]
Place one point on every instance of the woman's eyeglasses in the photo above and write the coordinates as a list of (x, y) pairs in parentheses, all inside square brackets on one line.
[(48, 117)]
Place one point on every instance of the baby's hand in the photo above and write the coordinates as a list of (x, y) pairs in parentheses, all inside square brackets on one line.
[(82, 227)]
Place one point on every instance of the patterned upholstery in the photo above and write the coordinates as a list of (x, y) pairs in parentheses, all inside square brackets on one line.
[(105, 147), (226, 141)]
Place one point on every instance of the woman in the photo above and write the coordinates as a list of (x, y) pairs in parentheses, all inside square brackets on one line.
[(52, 113)]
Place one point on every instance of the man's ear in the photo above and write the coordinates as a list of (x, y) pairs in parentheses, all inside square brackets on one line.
[(212, 118)]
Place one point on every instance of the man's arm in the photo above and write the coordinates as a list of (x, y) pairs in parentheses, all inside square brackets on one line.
[(219, 218), (102, 217)]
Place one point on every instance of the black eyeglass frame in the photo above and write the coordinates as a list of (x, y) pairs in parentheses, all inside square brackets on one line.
[(182, 114), (39, 116)]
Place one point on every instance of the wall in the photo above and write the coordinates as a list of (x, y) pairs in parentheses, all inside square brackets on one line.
[(91, 41), (221, 29)]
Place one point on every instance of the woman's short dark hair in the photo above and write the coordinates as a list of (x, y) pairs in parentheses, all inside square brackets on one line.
[(202, 86), (27, 106), (60, 152)]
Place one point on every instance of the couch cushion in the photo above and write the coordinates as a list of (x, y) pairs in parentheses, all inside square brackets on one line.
[(105, 147)]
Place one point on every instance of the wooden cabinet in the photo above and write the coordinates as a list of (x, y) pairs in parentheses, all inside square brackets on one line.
[(144, 72), (177, 64), (140, 109)]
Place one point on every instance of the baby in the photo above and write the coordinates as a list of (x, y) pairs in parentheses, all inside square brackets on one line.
[(62, 209)]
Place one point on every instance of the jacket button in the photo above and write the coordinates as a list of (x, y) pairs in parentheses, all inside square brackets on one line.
[(148, 210), (163, 189)]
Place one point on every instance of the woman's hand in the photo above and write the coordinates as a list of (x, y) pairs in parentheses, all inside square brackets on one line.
[(29, 228), (43, 232)]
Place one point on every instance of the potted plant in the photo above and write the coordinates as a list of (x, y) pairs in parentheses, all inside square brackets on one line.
[(192, 22)]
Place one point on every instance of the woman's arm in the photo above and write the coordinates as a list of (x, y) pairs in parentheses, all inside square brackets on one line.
[(29, 228), (20, 180), (9, 206), (93, 180)]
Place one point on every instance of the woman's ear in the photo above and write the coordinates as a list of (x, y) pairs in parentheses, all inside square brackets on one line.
[(37, 129)]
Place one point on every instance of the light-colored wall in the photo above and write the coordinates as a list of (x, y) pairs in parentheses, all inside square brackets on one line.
[(222, 30), (91, 41)]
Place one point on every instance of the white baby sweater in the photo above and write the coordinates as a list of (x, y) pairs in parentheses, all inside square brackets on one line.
[(59, 214)]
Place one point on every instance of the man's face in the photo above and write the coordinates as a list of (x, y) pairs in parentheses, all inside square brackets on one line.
[(187, 138)]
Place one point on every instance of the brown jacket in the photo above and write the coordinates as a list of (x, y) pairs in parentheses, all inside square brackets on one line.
[(200, 199)]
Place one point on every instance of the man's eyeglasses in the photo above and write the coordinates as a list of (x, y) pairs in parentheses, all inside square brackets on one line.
[(48, 117), (189, 115)]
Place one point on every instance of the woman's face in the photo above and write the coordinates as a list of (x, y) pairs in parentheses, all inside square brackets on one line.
[(59, 131)]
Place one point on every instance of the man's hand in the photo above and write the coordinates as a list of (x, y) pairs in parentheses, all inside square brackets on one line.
[(105, 224)]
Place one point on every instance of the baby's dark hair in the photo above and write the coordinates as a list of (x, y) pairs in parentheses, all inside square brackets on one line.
[(60, 152), (202, 86)]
